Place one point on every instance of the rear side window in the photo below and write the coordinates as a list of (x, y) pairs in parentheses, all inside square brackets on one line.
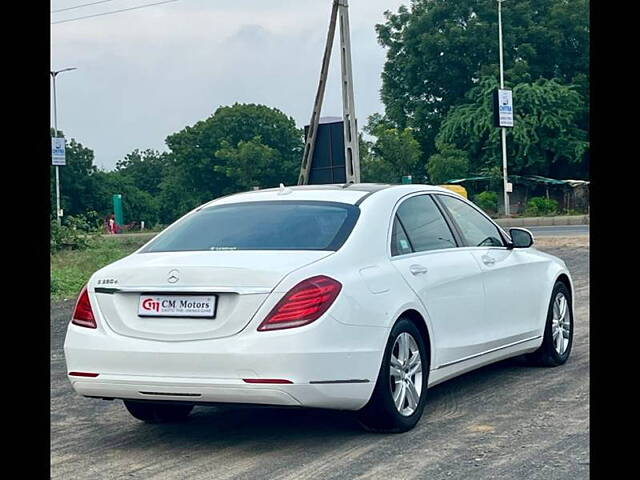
[(274, 225), (478, 231), (399, 241), (423, 225)]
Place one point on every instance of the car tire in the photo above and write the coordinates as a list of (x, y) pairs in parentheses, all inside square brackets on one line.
[(381, 413), (158, 412), (552, 353)]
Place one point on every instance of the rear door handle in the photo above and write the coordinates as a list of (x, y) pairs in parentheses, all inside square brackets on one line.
[(418, 269), (487, 260)]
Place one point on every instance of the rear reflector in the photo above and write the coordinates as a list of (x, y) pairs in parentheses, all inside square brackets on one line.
[(303, 304), (83, 374), (265, 380), (82, 313)]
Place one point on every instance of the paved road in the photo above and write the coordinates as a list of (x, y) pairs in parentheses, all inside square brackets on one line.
[(559, 230), (504, 421)]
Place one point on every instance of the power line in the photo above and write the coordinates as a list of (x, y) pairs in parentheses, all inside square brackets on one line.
[(113, 11), (80, 6)]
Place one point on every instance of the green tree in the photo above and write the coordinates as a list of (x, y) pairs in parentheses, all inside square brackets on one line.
[(195, 173), (439, 49), (86, 188), (78, 181), (137, 205), (450, 164), (144, 168), (250, 164), (494, 174), (545, 133), (394, 153), (372, 168)]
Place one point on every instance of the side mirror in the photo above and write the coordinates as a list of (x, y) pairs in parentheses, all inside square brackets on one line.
[(521, 238)]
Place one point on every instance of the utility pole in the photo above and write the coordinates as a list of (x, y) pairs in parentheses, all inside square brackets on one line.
[(312, 134), (55, 134), (505, 180), (351, 139)]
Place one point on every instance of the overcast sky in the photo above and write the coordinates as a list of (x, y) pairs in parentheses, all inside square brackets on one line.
[(147, 73)]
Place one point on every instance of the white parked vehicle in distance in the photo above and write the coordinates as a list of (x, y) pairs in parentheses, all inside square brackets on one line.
[(352, 297)]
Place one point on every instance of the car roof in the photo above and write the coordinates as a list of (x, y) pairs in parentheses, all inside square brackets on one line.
[(351, 193)]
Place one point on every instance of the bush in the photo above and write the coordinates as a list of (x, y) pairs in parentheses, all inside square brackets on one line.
[(573, 211), (487, 201), (76, 232), (64, 237), (88, 222), (541, 206)]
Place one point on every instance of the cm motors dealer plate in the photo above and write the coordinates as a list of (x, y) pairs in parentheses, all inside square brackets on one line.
[(198, 306)]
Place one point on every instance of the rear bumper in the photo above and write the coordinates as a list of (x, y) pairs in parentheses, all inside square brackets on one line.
[(347, 396), (330, 365)]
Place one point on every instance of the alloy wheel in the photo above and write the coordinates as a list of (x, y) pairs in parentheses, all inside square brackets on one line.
[(561, 323), (405, 371)]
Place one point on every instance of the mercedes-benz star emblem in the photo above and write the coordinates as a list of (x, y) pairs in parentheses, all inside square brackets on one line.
[(173, 276)]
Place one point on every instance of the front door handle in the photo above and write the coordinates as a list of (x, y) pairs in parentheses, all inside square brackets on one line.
[(418, 269), (487, 260)]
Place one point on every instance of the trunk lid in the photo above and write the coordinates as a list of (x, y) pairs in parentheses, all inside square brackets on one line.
[(240, 280)]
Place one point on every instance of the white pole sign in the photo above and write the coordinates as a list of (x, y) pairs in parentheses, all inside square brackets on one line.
[(57, 152), (505, 108)]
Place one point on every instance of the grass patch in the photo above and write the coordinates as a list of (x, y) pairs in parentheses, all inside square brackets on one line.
[(70, 269)]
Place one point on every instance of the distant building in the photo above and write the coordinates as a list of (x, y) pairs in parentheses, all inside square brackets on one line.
[(570, 194)]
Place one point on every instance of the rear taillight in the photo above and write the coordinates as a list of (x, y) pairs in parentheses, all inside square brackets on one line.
[(83, 314), (303, 304)]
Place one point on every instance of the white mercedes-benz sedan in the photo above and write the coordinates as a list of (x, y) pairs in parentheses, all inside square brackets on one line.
[(354, 297)]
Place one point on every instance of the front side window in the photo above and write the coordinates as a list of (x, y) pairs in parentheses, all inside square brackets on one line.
[(424, 227), (478, 231), (269, 225)]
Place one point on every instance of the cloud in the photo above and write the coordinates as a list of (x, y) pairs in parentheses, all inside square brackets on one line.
[(145, 74)]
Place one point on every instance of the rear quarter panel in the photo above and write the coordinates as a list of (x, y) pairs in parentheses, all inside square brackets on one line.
[(374, 293)]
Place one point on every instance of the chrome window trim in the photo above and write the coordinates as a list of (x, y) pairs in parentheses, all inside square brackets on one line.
[(506, 237), (394, 212)]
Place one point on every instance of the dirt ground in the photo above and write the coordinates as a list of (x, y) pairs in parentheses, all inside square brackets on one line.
[(504, 421)]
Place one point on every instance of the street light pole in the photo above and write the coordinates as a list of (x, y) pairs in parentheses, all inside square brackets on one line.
[(504, 130), (55, 134)]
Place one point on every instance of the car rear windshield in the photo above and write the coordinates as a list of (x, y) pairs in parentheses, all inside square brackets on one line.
[(272, 225)]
